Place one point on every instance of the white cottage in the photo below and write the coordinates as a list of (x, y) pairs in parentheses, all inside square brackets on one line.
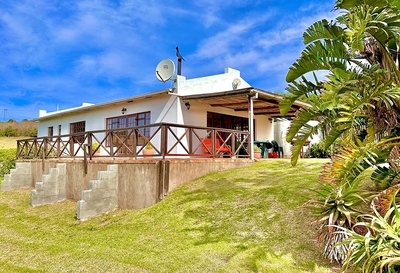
[(217, 117), (224, 101)]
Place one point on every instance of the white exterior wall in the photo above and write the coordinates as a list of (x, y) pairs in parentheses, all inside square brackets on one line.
[(280, 131), (96, 118), (164, 107)]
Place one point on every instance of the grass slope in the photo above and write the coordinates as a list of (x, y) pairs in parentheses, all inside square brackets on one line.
[(9, 142), (244, 220)]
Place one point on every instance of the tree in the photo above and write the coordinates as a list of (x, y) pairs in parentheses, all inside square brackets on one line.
[(357, 103), (355, 94)]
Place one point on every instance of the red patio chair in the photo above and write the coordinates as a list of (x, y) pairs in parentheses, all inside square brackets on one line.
[(207, 146)]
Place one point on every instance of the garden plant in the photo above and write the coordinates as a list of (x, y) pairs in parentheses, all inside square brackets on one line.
[(357, 104)]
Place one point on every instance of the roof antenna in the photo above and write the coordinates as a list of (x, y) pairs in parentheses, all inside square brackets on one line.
[(180, 58)]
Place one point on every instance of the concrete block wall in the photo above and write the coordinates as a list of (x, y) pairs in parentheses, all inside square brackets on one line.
[(18, 178), (127, 183), (52, 188), (138, 185), (183, 171), (102, 195)]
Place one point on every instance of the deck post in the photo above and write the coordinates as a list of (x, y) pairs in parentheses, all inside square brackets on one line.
[(164, 140), (213, 135), (251, 126)]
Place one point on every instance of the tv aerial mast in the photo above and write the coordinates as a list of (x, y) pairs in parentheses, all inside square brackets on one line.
[(180, 58)]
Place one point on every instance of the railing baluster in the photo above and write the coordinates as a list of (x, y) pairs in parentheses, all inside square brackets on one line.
[(115, 144)]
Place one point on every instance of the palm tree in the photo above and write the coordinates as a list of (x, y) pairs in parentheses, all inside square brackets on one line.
[(357, 103), (355, 95)]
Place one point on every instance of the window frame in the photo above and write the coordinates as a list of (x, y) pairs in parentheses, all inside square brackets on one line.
[(76, 128), (131, 120), (50, 132)]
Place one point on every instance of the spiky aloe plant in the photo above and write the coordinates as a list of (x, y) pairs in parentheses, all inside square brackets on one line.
[(379, 249), (335, 207)]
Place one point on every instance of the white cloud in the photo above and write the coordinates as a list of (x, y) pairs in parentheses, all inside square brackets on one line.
[(214, 10), (231, 38), (110, 64)]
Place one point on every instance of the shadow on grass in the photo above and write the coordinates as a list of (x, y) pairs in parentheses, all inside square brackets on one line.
[(257, 212)]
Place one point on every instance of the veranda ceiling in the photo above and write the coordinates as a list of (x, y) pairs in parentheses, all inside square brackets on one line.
[(264, 103)]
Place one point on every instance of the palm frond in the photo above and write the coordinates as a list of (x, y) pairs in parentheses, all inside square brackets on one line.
[(298, 90), (320, 55), (351, 4), (322, 30)]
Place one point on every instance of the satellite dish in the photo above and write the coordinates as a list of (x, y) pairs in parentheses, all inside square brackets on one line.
[(165, 69), (236, 82)]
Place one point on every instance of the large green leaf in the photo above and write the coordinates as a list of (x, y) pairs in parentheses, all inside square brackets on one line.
[(351, 4), (320, 55), (383, 177), (322, 30), (300, 131), (298, 91)]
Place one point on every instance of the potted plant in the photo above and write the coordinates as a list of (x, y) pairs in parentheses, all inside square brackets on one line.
[(257, 152), (95, 148), (148, 150)]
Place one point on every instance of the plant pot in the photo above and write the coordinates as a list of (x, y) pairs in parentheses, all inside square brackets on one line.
[(148, 152), (257, 155)]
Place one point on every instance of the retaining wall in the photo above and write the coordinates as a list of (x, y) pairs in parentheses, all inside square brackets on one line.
[(134, 184)]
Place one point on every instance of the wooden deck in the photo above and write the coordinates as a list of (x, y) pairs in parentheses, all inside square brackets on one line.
[(168, 141)]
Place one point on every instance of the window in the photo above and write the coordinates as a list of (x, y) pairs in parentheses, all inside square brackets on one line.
[(75, 128), (50, 132), (132, 120), (226, 121)]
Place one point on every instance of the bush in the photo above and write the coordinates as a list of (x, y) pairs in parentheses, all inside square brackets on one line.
[(17, 129), (317, 150), (377, 250), (7, 160)]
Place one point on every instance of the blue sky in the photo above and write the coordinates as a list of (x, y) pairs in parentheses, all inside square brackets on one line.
[(62, 53)]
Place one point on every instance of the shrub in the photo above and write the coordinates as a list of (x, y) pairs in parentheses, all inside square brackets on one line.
[(317, 150), (377, 250), (7, 160), (10, 132), (335, 208), (16, 129)]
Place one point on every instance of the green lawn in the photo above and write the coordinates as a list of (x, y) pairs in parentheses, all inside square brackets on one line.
[(244, 220)]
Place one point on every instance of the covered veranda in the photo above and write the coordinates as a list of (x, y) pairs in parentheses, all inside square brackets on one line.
[(254, 101)]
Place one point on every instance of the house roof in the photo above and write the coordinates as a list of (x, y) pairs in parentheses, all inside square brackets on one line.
[(88, 107), (264, 103)]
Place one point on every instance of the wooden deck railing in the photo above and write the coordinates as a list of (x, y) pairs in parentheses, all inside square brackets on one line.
[(168, 140)]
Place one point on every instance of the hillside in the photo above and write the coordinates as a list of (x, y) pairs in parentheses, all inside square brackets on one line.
[(244, 220), (18, 129)]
